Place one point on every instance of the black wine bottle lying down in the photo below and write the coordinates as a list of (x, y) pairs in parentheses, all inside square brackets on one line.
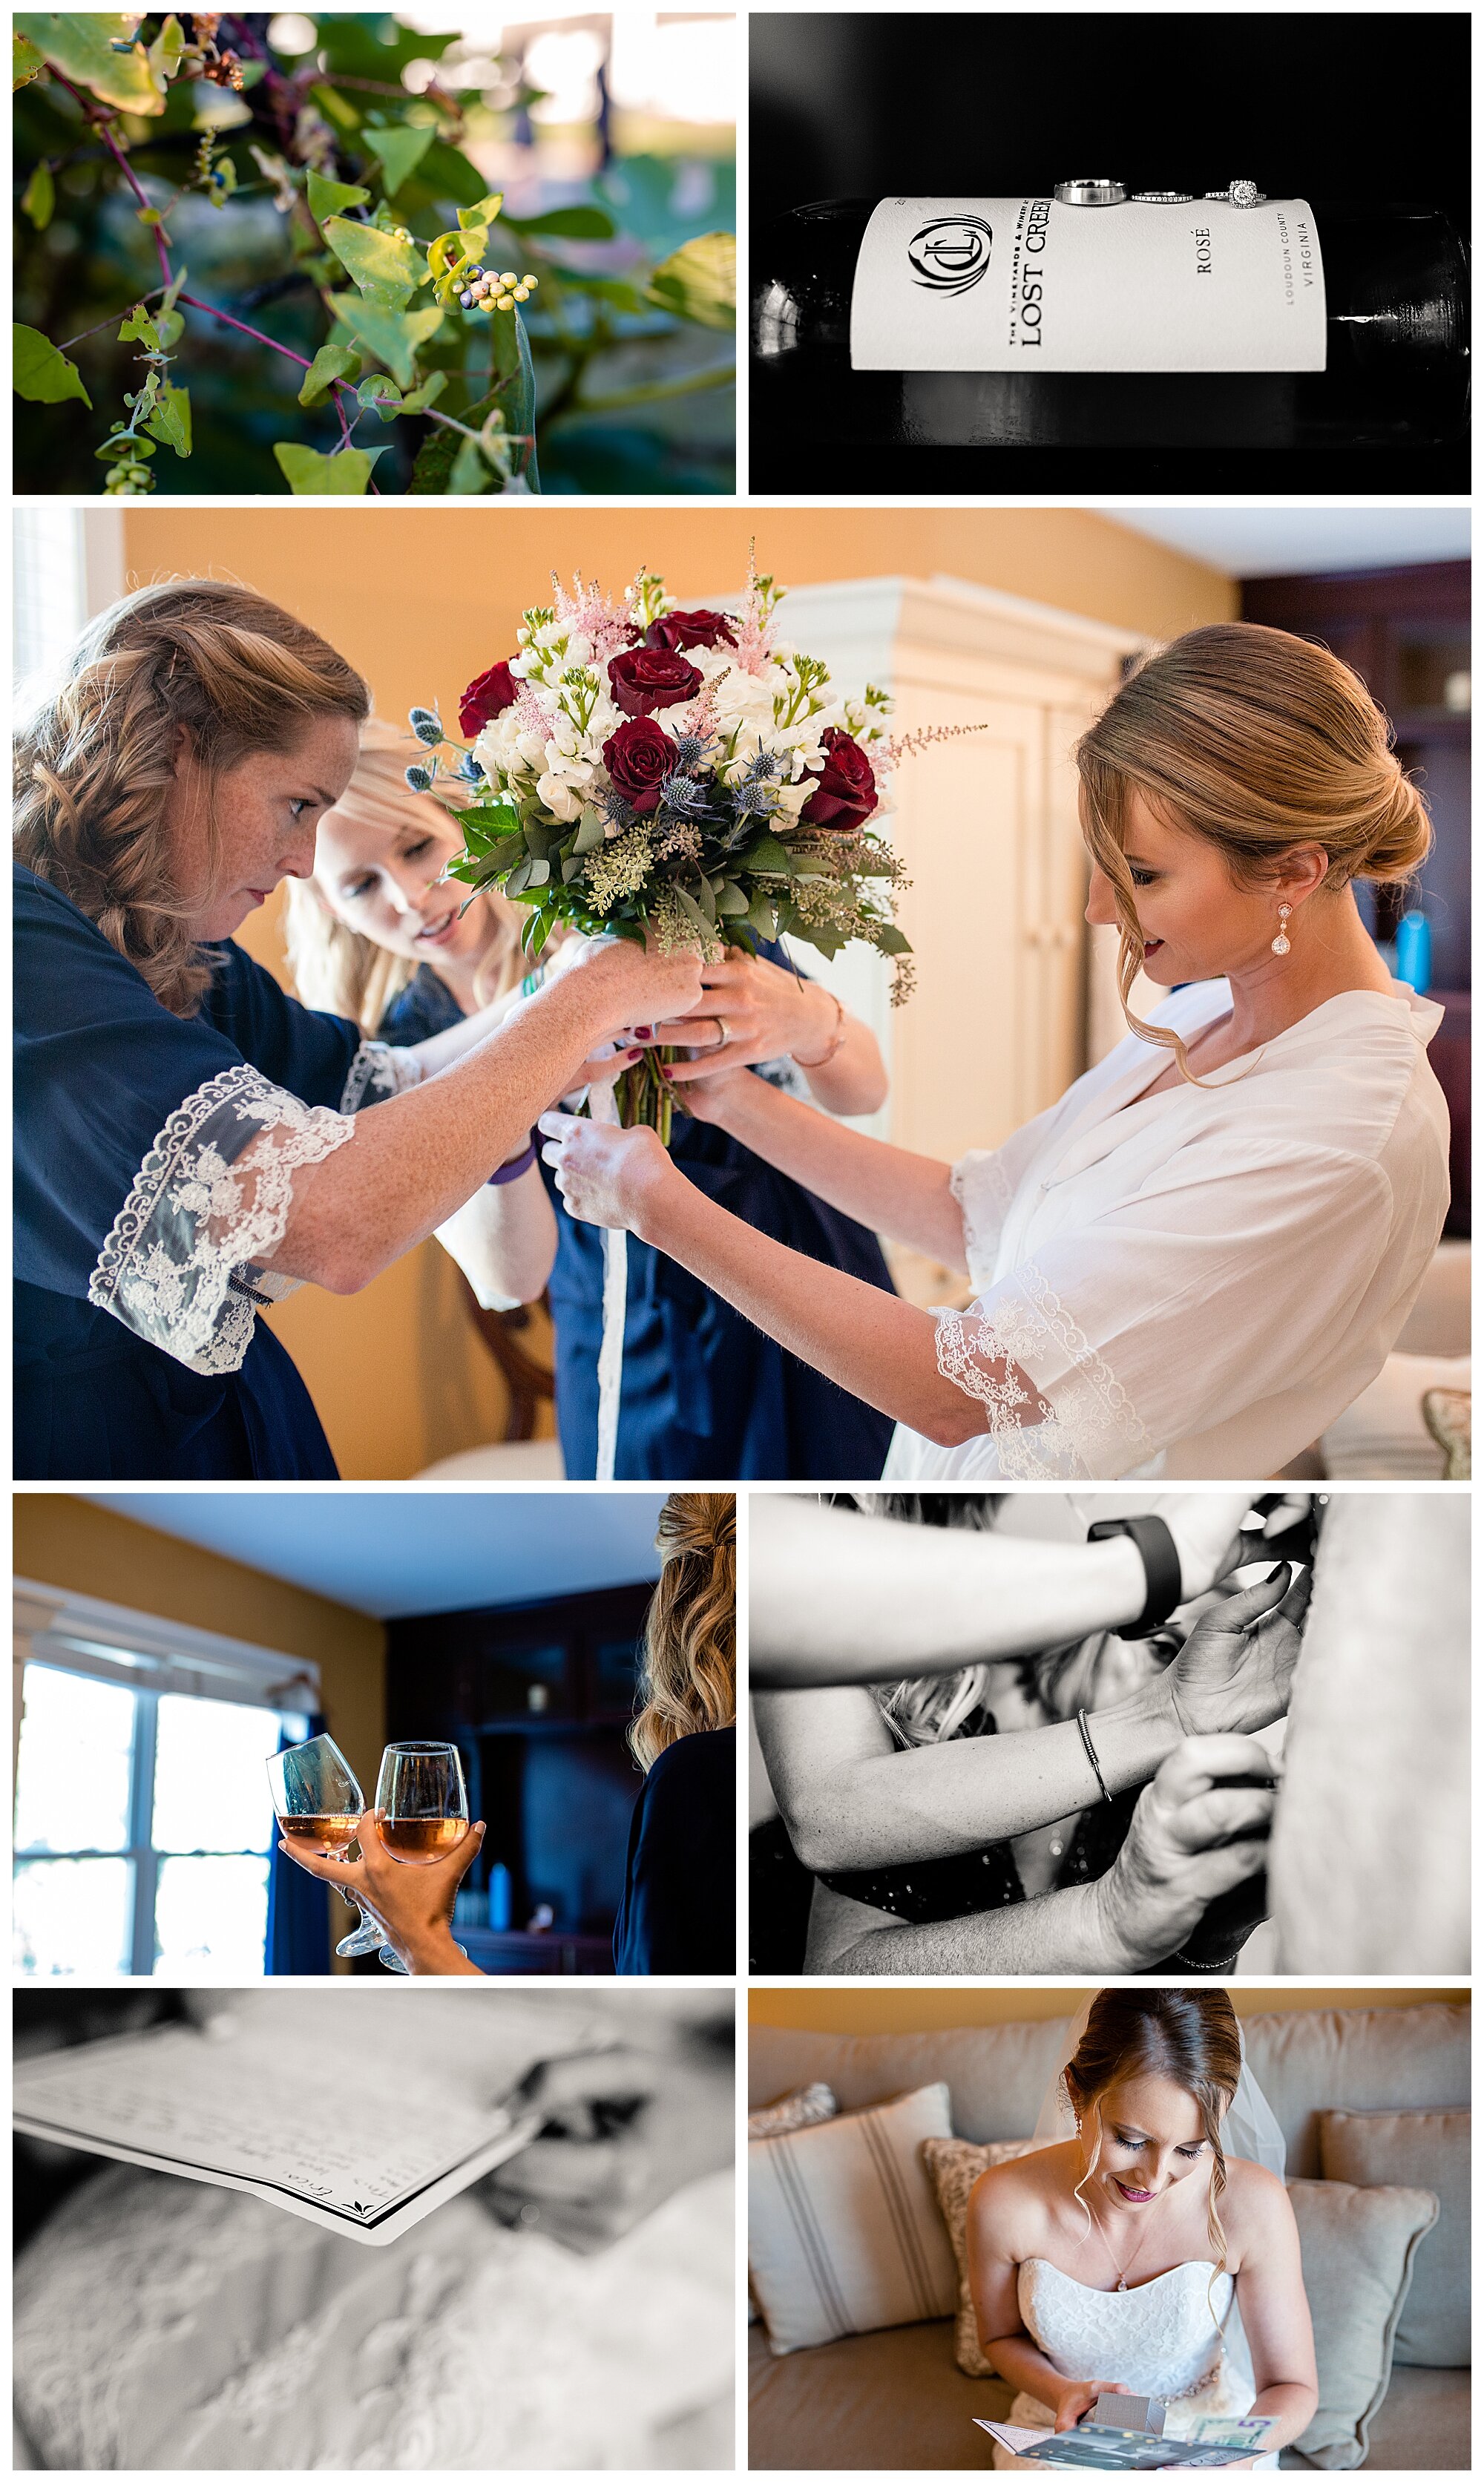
[(1090, 317)]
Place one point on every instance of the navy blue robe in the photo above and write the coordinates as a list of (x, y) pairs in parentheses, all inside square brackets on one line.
[(707, 1397), (135, 1356), (679, 1914)]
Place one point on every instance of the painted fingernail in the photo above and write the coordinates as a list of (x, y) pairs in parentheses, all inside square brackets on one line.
[(1273, 1575), (644, 1032)]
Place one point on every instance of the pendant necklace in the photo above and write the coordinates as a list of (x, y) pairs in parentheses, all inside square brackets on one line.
[(1122, 2273)]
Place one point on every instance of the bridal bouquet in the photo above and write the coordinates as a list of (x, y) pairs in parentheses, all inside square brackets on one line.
[(686, 775)]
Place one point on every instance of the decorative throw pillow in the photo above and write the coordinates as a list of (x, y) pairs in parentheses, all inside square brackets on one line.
[(1358, 2247), (800, 2110), (1448, 1413), (954, 2164), (1383, 1435), (1424, 2150), (844, 2233)]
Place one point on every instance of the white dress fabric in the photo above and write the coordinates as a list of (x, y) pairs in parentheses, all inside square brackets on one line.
[(1199, 1281), (161, 2324), (1178, 2337)]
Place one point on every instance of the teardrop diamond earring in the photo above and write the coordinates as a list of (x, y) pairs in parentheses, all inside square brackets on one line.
[(1283, 943)]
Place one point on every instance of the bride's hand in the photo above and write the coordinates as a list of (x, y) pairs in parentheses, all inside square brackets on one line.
[(606, 1176), (711, 1099), (1234, 1672), (749, 1010), (1080, 2396), (620, 2131), (1199, 1827)]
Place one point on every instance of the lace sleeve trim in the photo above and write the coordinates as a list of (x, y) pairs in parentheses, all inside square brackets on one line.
[(1094, 1430), (378, 1070), (181, 1263), (982, 1191)]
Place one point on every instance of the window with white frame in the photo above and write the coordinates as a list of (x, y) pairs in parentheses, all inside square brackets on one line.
[(144, 1828)]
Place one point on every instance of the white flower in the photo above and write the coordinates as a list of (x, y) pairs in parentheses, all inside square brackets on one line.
[(562, 800)]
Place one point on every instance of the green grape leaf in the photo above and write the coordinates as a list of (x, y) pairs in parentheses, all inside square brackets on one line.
[(399, 152), (42, 375), (390, 336), (572, 224), (170, 421), (40, 197), (386, 271), (26, 61), (342, 476), (333, 197), (481, 212), (331, 364), (83, 48), (139, 329), (699, 281)]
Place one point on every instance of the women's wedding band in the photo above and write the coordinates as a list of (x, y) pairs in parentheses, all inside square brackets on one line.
[(723, 1038)]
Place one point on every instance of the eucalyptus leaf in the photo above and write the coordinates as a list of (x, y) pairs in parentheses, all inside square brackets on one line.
[(343, 476), (731, 900), (590, 833), (891, 941), (767, 854), (41, 374), (519, 877)]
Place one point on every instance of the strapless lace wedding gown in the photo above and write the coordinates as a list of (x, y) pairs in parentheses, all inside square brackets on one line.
[(160, 2323), (1178, 2337)]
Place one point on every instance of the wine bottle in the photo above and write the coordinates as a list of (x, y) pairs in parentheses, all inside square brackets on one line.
[(1092, 318)]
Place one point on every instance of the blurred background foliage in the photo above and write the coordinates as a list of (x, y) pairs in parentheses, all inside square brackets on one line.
[(610, 136)]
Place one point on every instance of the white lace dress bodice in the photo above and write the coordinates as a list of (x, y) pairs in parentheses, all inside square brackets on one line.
[(164, 2324), (1178, 2337)]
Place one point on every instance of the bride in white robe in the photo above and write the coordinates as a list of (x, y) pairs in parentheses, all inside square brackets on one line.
[(1196, 1260)]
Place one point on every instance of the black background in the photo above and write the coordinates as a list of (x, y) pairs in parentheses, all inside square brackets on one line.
[(1322, 107)]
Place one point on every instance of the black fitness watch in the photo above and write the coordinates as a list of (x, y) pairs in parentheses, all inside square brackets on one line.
[(1161, 1560)]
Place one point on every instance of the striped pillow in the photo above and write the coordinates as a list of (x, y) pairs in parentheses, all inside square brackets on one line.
[(844, 2230)]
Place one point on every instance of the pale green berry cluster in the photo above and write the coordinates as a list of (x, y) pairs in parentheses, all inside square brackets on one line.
[(484, 291)]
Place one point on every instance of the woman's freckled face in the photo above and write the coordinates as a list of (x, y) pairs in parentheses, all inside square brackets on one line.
[(1151, 2135), (267, 810), (1198, 923), (385, 881)]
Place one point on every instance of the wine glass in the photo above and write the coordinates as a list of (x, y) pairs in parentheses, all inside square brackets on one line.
[(317, 1802), (425, 1808)]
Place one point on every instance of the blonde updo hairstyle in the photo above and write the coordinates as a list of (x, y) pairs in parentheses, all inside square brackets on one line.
[(95, 762), (690, 1640), (1261, 742), (340, 968)]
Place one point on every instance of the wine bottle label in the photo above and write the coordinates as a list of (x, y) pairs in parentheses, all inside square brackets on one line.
[(1031, 284)]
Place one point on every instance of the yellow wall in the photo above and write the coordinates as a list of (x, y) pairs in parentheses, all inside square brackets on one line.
[(909, 2010), (68, 1542), (423, 598)]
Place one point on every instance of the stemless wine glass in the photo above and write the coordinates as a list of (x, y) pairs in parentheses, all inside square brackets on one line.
[(317, 1801), (425, 1808)]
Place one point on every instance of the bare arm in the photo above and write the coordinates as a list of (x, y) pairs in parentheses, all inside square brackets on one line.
[(416, 1159), (1003, 2230), (837, 1596), (768, 1012), (1273, 2304), (906, 1196), (504, 1239)]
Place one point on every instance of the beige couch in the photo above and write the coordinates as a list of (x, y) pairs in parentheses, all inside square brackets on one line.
[(896, 2399)]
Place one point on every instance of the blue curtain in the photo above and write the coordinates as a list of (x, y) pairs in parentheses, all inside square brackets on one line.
[(297, 1941)]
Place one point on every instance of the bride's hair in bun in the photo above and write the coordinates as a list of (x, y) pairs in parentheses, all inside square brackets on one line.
[(1260, 741), (1190, 2038), (95, 762), (338, 968), (690, 1639)]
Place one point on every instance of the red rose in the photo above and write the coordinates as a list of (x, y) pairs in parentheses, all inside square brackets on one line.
[(847, 786), (638, 758), (680, 629), (487, 697), (650, 677)]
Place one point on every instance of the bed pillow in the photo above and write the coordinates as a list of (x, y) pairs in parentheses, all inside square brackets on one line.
[(954, 2164), (1384, 1437), (1358, 2246), (843, 2231), (1423, 2151)]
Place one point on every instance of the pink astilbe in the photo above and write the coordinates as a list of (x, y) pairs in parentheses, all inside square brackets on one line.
[(606, 625), (757, 626)]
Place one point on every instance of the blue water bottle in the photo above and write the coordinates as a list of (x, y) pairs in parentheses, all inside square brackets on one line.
[(1415, 950)]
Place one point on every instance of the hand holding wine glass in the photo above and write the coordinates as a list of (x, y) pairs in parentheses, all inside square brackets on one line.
[(318, 1805), (417, 1846)]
